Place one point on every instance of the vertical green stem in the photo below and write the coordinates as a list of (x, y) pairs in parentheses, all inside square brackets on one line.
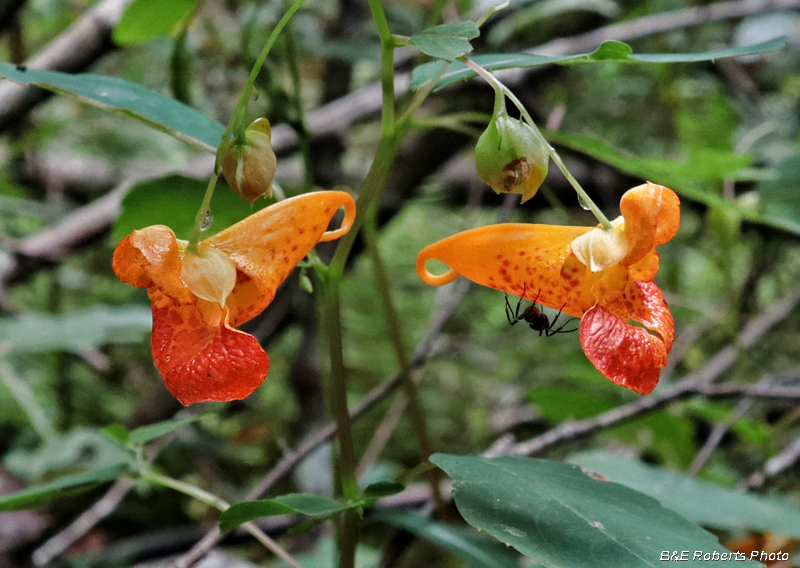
[(396, 335), (501, 88), (237, 122), (200, 218)]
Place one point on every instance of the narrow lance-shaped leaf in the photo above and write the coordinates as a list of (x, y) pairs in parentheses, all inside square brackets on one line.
[(303, 503), (613, 51), (61, 487), (117, 95), (144, 434)]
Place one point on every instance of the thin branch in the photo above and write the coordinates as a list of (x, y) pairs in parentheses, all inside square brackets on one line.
[(62, 540), (774, 466), (716, 435)]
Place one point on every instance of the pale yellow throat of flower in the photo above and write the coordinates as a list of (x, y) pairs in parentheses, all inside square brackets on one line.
[(209, 274), (600, 249)]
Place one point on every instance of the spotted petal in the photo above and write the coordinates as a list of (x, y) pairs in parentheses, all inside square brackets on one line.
[(514, 258), (626, 354), (267, 245)]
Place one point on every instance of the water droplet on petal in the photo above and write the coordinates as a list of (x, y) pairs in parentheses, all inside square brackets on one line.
[(209, 218)]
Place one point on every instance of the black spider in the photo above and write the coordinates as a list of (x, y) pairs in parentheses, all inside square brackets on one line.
[(535, 318)]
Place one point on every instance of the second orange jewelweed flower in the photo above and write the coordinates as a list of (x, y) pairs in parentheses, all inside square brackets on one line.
[(603, 277), (199, 297)]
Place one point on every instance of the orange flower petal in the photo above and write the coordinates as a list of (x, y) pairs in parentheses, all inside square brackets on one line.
[(150, 257), (200, 361), (652, 216), (629, 355), (267, 245), (194, 349), (512, 257)]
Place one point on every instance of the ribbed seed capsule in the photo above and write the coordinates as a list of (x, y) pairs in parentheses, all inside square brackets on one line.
[(250, 168)]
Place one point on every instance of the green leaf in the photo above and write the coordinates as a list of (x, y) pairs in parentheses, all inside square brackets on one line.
[(240, 513), (303, 503), (145, 20), (61, 487), (144, 434), (380, 489), (173, 201), (680, 177), (73, 331), (699, 501), (135, 101), (447, 41), (559, 516), (778, 196), (614, 51), (117, 432), (80, 449), (611, 51), (474, 549)]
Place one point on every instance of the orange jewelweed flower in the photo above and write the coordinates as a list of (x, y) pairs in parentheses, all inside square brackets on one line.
[(603, 277), (199, 298)]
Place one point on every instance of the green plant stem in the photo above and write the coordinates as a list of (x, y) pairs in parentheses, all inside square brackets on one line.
[(387, 67), (237, 122), (401, 354), (501, 89), (221, 505), (200, 218)]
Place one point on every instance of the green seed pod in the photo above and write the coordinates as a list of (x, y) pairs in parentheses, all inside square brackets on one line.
[(511, 158), (249, 168)]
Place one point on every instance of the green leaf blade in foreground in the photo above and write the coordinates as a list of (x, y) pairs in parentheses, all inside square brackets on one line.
[(447, 41), (699, 501), (145, 20), (303, 503), (476, 550), (144, 434), (61, 487), (73, 331), (563, 518), (130, 99), (613, 51)]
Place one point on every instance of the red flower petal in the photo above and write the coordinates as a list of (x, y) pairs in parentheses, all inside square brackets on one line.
[(629, 355), (201, 362)]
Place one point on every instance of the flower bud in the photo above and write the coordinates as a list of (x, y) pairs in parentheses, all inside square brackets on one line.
[(511, 158), (209, 274), (600, 249), (250, 167)]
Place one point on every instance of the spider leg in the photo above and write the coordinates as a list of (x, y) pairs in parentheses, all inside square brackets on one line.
[(510, 315), (551, 332), (555, 319)]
